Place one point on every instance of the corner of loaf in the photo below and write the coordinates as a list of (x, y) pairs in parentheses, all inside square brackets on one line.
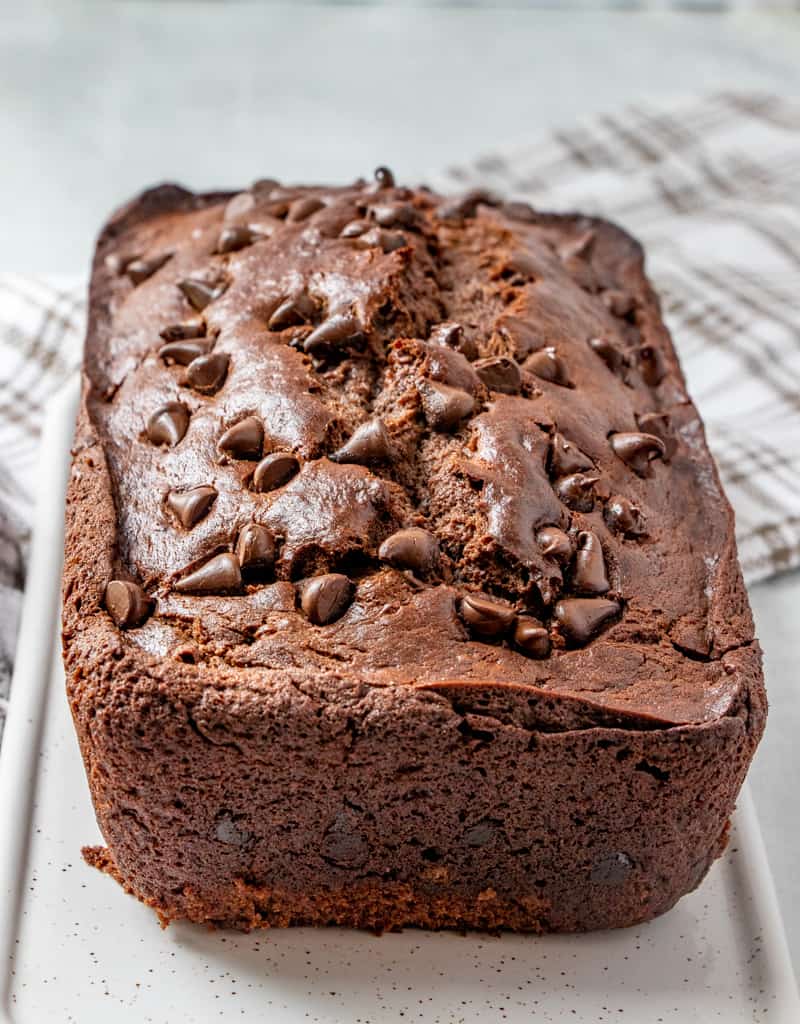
[(400, 587)]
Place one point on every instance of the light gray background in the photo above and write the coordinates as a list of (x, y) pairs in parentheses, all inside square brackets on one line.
[(99, 99)]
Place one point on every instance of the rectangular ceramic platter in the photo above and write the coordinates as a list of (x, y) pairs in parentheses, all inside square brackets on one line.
[(78, 949)]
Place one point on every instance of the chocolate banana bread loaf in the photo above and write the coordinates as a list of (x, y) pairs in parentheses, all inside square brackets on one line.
[(400, 587)]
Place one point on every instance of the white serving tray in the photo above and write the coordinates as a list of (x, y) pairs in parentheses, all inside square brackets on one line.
[(75, 948)]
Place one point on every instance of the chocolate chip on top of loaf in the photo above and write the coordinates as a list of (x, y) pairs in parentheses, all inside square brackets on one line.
[(400, 587)]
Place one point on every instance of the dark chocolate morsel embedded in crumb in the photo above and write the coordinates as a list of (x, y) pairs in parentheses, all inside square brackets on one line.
[(185, 331), (413, 548), (466, 205), (384, 177), (207, 373), (608, 352), (200, 293), (444, 407), (486, 617), (343, 330), (578, 619), (516, 210), (451, 335), (499, 373), (275, 470), (589, 575), (380, 238), (520, 334), (651, 365), (325, 598), (531, 637), (169, 424), (613, 869), (622, 516), (555, 543), (235, 237), (369, 443), (255, 548), (390, 215), (618, 302), (140, 270), (577, 491), (218, 575), (184, 352), (658, 423), (355, 228), (303, 207), (579, 247), (191, 506), (126, 603), (244, 440), (637, 451), (292, 312), (547, 364), (566, 458)]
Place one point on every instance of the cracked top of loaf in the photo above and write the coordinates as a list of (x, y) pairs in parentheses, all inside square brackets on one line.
[(372, 432)]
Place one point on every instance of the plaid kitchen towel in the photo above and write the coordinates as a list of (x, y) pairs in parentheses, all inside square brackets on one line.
[(709, 186)]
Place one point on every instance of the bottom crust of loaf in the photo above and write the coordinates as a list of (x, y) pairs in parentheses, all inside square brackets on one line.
[(389, 907)]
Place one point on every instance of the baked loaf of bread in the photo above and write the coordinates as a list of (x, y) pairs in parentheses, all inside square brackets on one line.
[(400, 587)]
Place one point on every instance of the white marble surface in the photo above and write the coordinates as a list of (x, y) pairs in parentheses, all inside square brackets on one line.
[(97, 100)]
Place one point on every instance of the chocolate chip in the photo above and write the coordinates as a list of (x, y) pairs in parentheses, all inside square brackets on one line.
[(589, 575), (579, 247), (465, 205), (275, 470), (326, 597), (244, 440), (168, 424), (355, 228), (554, 543), (531, 637), (303, 207), (384, 177), (566, 458), (522, 336), (613, 869), (637, 451), (182, 332), (235, 237), (184, 352), (444, 407), (218, 574), (608, 352), (519, 211), (226, 830), (342, 330), (344, 844), (392, 215), (547, 364), (480, 834), (580, 618), (622, 516), (140, 270), (651, 364), (522, 263), (292, 311), (451, 335), (200, 293), (255, 548), (369, 443), (499, 373), (413, 548), (116, 262), (618, 302), (207, 374), (388, 241), (126, 603), (658, 423), (577, 491), (190, 506), (486, 617)]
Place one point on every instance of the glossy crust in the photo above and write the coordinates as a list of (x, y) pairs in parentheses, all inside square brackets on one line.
[(249, 767)]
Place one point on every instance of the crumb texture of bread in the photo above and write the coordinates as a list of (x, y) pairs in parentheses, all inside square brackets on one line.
[(400, 587)]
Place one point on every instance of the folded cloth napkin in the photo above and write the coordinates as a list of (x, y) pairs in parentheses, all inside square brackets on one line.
[(709, 186)]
